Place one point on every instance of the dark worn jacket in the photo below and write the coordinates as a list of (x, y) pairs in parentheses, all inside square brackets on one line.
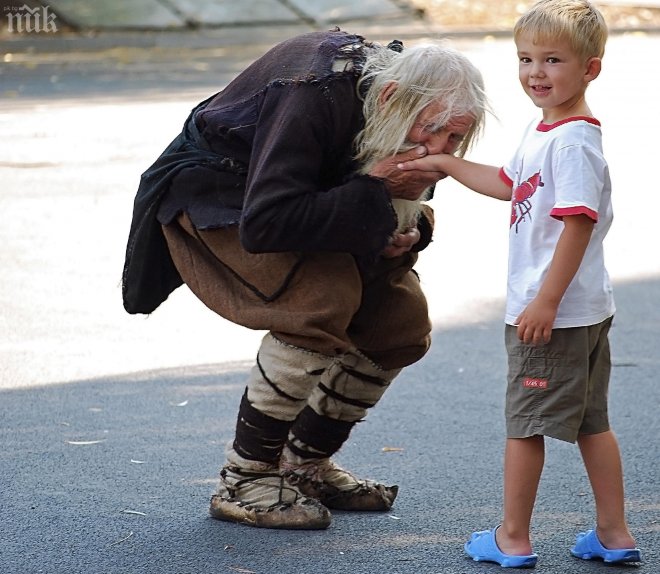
[(273, 154)]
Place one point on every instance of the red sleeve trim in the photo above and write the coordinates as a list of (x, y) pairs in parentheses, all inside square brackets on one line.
[(505, 178), (561, 212)]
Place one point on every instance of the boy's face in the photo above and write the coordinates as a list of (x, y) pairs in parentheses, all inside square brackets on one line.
[(555, 77)]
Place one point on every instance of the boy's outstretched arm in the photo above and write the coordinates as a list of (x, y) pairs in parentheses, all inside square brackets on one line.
[(536, 321), (484, 179)]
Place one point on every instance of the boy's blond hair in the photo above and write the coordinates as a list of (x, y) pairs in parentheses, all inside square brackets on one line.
[(577, 21)]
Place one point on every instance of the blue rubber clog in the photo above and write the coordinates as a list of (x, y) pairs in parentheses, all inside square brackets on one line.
[(588, 547), (482, 547)]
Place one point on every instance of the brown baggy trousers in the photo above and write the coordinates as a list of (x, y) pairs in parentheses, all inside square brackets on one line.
[(316, 301)]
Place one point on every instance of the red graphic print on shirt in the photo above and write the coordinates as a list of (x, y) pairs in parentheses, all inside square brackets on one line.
[(521, 204)]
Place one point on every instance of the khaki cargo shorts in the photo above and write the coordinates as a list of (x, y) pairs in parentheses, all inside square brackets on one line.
[(559, 389)]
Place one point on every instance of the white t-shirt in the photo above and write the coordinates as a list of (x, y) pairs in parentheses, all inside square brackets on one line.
[(559, 169)]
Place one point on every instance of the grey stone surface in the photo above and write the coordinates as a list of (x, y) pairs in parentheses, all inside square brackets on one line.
[(115, 14), (172, 14), (324, 11), (232, 12)]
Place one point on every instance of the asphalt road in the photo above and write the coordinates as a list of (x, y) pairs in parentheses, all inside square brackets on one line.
[(113, 426)]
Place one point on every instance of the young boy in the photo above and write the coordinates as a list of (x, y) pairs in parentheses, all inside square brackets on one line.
[(559, 301)]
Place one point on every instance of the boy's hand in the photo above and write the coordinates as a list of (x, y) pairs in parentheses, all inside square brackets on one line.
[(432, 163), (535, 322)]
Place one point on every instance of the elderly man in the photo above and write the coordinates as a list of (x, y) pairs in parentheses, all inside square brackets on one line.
[(281, 206)]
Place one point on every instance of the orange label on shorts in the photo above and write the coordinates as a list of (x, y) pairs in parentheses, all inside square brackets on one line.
[(530, 383)]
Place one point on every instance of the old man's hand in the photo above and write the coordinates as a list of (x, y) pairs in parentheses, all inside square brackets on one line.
[(405, 184), (402, 243)]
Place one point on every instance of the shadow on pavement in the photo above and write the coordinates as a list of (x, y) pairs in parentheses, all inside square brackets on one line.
[(136, 501)]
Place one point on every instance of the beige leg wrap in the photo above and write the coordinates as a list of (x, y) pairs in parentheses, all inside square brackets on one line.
[(252, 488), (283, 378), (345, 392), (352, 385), (277, 391)]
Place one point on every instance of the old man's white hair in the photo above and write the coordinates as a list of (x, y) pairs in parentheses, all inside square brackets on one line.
[(423, 74)]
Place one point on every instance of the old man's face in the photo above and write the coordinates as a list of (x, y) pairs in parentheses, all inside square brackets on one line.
[(439, 138)]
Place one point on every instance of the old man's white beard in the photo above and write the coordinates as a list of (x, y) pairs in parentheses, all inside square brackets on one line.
[(407, 211)]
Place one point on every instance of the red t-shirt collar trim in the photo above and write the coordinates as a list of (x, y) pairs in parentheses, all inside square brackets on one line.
[(547, 127)]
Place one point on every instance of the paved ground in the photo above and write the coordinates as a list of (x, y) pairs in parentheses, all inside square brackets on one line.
[(113, 426)]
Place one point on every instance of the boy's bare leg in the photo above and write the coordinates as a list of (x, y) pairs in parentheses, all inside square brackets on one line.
[(602, 459), (523, 464)]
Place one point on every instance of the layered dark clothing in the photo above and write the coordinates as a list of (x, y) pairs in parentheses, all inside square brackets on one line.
[(272, 153)]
